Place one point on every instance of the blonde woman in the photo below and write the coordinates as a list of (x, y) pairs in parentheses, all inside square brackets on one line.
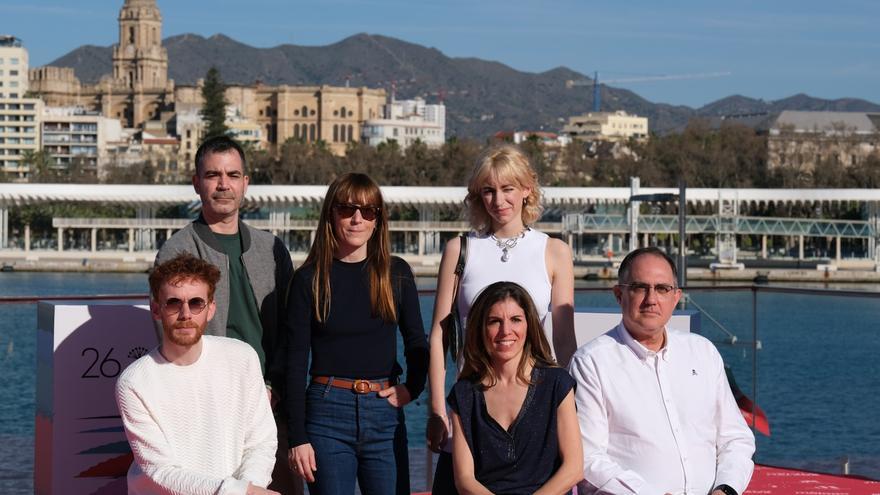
[(345, 306), (503, 201)]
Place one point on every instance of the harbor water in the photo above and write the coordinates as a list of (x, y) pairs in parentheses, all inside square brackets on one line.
[(815, 375)]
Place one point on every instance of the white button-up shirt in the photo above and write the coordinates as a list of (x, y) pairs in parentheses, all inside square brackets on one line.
[(659, 422)]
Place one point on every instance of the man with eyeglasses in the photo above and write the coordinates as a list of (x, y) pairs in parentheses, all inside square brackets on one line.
[(255, 270), (656, 412), (195, 409)]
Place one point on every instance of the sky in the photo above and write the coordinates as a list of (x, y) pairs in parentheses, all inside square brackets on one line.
[(760, 49)]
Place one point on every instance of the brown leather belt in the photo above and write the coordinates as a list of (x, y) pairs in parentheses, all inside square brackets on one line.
[(356, 386)]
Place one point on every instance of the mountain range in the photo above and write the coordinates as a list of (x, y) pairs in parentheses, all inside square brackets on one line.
[(481, 97)]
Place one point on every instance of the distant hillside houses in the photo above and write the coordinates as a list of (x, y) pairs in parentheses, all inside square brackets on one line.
[(606, 126), (806, 140)]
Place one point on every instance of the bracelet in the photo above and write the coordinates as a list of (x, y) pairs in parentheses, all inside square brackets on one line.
[(438, 416)]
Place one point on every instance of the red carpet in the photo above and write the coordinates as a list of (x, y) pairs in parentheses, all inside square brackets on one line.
[(769, 479), (782, 481)]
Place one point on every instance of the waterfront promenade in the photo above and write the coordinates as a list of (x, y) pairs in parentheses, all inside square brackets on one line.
[(813, 235)]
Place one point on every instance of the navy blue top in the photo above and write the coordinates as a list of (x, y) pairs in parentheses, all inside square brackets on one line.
[(522, 458)]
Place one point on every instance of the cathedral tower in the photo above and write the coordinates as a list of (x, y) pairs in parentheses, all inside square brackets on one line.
[(139, 60)]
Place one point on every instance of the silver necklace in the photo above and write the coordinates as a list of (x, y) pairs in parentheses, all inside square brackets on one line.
[(507, 244)]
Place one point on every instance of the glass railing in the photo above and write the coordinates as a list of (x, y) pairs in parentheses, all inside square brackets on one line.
[(806, 356)]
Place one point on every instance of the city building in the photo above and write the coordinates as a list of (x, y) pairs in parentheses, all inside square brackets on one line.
[(806, 139), (243, 130), (13, 67), (142, 156), (406, 122), (139, 94), (19, 116), (19, 135), (189, 128), (606, 126), (71, 133)]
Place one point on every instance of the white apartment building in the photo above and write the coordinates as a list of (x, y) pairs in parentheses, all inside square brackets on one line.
[(242, 129), (606, 126), (13, 67), (190, 128), (19, 134), (406, 122), (19, 116), (71, 133)]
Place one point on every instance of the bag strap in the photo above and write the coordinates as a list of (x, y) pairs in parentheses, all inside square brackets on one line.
[(459, 268), (462, 255)]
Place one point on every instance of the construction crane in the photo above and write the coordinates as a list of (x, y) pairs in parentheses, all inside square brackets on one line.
[(597, 99)]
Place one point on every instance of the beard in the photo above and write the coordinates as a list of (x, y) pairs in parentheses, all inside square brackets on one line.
[(185, 340)]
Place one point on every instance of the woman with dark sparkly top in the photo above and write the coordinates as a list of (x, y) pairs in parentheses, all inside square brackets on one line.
[(515, 427), (503, 201)]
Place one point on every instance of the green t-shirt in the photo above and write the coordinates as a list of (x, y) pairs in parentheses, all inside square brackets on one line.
[(243, 322)]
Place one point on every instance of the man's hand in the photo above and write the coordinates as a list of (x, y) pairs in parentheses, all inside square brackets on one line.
[(397, 395), (256, 490), (437, 432), (301, 460)]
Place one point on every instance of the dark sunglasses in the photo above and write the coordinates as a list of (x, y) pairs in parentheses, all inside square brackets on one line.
[(346, 210), (174, 305)]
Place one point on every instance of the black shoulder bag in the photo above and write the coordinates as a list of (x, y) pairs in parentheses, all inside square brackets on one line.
[(453, 333)]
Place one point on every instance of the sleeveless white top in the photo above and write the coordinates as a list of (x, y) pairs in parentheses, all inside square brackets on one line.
[(527, 266)]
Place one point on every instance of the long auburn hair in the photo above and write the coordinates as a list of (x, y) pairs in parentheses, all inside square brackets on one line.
[(361, 189), (477, 360)]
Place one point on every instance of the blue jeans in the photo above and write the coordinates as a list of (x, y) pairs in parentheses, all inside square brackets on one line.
[(356, 436)]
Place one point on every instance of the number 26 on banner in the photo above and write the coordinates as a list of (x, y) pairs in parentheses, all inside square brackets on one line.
[(107, 367)]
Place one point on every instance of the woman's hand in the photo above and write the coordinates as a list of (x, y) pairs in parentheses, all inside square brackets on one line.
[(397, 395), (301, 460), (437, 432)]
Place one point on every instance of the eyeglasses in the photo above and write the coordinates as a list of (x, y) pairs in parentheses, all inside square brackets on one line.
[(174, 306), (346, 210), (642, 289)]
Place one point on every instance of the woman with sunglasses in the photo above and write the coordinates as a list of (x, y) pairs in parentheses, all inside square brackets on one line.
[(345, 306), (513, 414), (503, 200)]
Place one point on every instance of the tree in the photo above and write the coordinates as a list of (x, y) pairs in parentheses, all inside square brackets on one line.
[(39, 166), (214, 105), (118, 172)]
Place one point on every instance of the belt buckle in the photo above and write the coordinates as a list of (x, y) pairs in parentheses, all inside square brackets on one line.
[(361, 387)]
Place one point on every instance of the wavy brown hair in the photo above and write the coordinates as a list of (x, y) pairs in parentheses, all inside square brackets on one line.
[(360, 189), (477, 361), (505, 162)]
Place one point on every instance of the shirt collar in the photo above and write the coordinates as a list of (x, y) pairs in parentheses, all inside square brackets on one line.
[(638, 349)]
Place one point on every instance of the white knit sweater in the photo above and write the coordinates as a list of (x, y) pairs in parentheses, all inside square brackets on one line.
[(206, 428)]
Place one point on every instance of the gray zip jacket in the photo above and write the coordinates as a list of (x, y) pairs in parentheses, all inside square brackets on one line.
[(269, 270)]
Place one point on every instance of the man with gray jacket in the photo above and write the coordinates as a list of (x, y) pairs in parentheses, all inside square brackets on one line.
[(255, 265)]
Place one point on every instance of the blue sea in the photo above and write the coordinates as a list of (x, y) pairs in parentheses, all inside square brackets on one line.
[(816, 374)]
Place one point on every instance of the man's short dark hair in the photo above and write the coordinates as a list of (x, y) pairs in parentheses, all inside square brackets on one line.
[(218, 144), (626, 264), (183, 267)]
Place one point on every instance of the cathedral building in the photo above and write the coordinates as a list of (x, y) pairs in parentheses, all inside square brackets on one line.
[(140, 95)]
